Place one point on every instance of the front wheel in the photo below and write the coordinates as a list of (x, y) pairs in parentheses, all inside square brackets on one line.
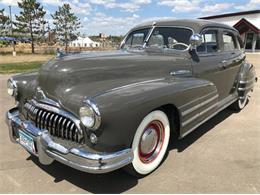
[(150, 144)]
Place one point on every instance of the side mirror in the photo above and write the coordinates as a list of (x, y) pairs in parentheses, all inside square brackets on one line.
[(195, 40)]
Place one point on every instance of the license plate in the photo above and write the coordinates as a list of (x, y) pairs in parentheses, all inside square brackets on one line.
[(27, 141)]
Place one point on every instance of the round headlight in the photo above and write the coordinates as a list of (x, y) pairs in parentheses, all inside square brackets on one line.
[(11, 87), (87, 116)]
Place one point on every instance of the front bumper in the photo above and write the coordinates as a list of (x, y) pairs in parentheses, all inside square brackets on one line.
[(78, 158)]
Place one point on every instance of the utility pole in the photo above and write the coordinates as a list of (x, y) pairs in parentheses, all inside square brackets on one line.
[(10, 10)]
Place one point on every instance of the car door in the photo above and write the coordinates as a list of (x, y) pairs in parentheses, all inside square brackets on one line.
[(208, 66), (232, 60)]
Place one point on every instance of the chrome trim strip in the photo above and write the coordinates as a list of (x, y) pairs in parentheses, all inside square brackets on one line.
[(247, 81), (246, 88), (212, 115), (192, 109), (199, 98), (48, 150), (198, 115), (181, 73), (148, 36)]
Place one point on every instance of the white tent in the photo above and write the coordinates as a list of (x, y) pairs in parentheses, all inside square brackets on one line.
[(84, 42)]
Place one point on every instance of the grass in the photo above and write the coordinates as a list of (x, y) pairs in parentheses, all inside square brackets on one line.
[(19, 67)]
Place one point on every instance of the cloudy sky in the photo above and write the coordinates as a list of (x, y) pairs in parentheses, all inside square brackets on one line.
[(117, 16)]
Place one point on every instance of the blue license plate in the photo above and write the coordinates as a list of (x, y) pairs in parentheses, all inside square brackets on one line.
[(27, 142)]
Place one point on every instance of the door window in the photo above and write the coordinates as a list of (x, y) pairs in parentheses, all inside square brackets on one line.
[(209, 42), (229, 41)]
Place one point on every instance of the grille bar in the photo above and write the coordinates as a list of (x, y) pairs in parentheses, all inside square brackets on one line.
[(58, 125)]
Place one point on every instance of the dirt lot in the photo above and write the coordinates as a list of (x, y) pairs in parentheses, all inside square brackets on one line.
[(221, 156)]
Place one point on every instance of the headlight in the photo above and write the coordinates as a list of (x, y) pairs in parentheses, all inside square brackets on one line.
[(87, 116), (90, 115), (11, 87)]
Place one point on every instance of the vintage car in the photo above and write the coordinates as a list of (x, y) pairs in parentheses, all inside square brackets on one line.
[(101, 111)]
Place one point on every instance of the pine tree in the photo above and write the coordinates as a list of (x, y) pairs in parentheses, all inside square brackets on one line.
[(4, 24), (66, 24), (31, 20)]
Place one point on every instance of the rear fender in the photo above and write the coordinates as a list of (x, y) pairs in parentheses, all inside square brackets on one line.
[(247, 79)]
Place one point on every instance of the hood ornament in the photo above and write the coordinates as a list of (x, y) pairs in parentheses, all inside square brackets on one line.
[(41, 97), (39, 94)]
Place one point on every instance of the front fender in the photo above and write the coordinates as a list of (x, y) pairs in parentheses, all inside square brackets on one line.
[(123, 109)]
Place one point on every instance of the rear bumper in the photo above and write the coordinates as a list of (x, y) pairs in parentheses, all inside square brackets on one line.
[(48, 150)]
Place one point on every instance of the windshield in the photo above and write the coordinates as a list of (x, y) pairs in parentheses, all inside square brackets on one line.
[(176, 38), (136, 38), (170, 37)]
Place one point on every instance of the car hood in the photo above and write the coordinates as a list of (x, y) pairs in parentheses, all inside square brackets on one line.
[(71, 78)]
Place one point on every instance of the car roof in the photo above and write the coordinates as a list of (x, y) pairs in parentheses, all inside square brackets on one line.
[(196, 24)]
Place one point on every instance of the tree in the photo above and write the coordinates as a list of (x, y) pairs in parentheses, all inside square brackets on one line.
[(31, 20), (4, 24), (66, 24)]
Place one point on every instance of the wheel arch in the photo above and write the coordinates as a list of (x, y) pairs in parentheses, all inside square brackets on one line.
[(173, 115)]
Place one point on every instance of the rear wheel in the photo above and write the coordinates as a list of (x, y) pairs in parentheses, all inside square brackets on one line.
[(240, 103), (150, 144)]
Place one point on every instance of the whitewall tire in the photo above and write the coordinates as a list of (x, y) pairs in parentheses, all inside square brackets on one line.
[(240, 103), (150, 143)]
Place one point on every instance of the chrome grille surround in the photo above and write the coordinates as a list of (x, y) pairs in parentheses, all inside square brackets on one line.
[(58, 122)]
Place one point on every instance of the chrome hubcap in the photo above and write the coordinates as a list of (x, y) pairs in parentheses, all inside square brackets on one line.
[(151, 141)]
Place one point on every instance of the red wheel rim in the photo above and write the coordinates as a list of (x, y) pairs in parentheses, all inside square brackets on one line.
[(151, 141)]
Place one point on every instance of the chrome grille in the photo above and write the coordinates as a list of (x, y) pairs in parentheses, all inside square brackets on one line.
[(57, 125)]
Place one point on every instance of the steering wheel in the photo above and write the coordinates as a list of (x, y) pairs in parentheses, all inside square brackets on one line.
[(179, 46)]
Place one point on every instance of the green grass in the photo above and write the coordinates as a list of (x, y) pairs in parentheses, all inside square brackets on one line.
[(19, 67)]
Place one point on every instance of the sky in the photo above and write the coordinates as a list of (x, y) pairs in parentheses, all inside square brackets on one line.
[(116, 17)]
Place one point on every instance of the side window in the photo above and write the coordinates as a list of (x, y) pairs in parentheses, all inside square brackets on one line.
[(209, 42), (229, 41)]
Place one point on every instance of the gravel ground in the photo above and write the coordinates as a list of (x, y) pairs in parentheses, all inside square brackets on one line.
[(221, 156)]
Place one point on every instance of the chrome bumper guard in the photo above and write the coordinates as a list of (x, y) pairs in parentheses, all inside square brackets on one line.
[(48, 150)]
